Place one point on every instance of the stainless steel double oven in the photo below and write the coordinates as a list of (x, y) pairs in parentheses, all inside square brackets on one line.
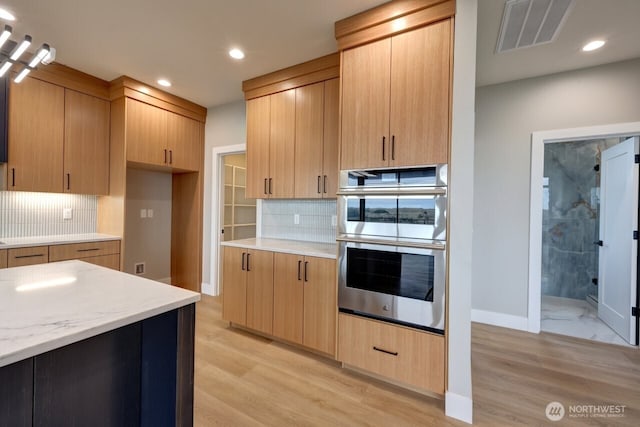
[(392, 245)]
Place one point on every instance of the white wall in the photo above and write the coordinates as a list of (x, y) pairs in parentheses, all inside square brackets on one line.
[(225, 126), (148, 239), (506, 115)]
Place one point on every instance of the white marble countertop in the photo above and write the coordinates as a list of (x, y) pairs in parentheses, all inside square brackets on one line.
[(295, 247), (60, 239), (47, 306)]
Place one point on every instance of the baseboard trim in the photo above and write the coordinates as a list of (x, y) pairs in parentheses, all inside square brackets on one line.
[(207, 289), (458, 407), (500, 319)]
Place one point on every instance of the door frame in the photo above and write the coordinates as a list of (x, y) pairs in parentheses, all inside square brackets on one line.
[(217, 195), (538, 140)]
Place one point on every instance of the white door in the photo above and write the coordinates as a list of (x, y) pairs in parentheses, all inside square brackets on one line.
[(618, 250)]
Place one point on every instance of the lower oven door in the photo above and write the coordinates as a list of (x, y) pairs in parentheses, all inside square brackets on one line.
[(402, 284)]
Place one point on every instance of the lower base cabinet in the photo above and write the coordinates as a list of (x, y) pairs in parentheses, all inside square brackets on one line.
[(287, 296), (401, 354)]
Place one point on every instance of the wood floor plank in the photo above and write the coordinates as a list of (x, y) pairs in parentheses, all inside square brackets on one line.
[(245, 380)]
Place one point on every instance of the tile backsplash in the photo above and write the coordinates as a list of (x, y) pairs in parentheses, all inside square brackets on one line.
[(315, 220), (25, 214)]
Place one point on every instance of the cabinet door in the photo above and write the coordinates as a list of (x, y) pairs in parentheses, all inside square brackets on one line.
[(3, 258), (320, 302), (282, 144), (185, 142), (36, 136), (288, 297), (331, 138), (86, 144), (146, 133), (365, 105), (420, 84), (309, 135), (234, 285), (27, 256), (260, 290), (258, 129)]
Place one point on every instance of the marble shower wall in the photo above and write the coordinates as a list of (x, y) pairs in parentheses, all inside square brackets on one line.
[(570, 218)]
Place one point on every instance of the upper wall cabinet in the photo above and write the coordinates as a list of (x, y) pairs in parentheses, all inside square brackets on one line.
[(292, 133), (159, 137), (58, 139), (396, 100)]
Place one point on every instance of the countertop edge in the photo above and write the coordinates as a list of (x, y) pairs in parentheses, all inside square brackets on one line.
[(92, 332), (53, 242), (293, 251)]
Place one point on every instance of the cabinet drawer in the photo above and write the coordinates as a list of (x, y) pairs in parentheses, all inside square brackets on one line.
[(28, 256), (109, 261), (402, 354), (83, 250), (3, 258)]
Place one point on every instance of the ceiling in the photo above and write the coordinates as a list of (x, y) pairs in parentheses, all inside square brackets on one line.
[(615, 21), (184, 41), (187, 42)]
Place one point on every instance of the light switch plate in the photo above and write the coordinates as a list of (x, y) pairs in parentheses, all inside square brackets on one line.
[(296, 219), (67, 213), (334, 220), (149, 213), (143, 213)]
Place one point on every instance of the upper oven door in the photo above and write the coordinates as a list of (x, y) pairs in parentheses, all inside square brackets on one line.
[(403, 214)]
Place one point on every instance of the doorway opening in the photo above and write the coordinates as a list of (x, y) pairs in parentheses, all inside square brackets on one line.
[(584, 211)]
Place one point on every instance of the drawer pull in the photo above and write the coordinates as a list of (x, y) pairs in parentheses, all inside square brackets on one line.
[(28, 256), (381, 350), (88, 250)]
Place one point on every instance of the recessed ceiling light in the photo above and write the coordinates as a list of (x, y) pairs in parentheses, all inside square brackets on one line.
[(596, 44), (164, 82), (6, 15), (236, 53)]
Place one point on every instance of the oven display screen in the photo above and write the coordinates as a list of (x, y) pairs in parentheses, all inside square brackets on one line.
[(420, 211), (393, 273)]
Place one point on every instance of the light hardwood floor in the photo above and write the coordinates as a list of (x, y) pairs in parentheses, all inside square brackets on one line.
[(245, 380)]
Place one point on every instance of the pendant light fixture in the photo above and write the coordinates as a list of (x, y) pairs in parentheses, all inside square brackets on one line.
[(8, 59)]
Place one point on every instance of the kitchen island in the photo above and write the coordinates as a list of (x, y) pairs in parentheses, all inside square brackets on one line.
[(86, 345)]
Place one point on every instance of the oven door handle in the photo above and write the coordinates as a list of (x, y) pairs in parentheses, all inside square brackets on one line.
[(421, 245), (407, 191)]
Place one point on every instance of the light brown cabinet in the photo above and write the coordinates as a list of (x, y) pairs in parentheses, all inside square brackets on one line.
[(304, 301), (3, 258), (18, 257), (398, 353), (396, 100), (270, 145), (58, 140), (36, 136), (161, 138), (86, 144), (316, 125), (247, 288)]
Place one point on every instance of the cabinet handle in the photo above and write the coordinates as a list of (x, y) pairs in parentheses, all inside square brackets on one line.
[(28, 256), (68, 181), (13, 177), (319, 184), (165, 155), (270, 181), (299, 265), (243, 254), (306, 263), (383, 146), (381, 350), (324, 185), (248, 255), (170, 157), (88, 250), (393, 147), (265, 186)]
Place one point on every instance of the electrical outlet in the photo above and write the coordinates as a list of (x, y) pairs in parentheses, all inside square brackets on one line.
[(296, 219), (143, 213), (67, 213), (334, 220), (149, 213), (139, 267)]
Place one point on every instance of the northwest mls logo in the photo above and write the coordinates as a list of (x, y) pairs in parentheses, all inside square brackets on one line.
[(554, 411)]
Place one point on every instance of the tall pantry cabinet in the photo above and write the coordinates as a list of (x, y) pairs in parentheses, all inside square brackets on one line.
[(153, 130)]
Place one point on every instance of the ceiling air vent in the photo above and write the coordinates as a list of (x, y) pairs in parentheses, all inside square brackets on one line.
[(528, 23)]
